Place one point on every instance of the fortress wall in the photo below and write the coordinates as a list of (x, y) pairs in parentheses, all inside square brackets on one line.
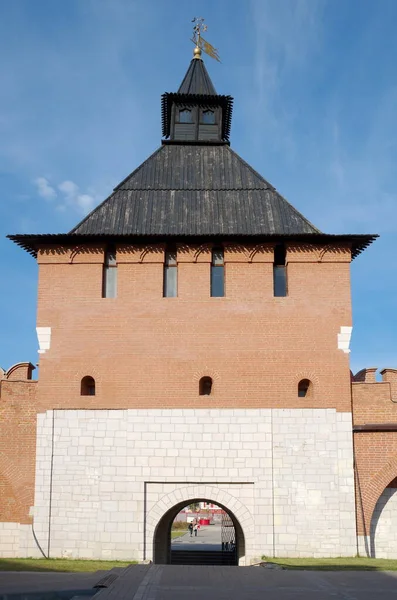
[(291, 469)]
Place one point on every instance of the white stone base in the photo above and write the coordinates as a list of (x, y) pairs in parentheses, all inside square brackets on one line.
[(286, 475), (17, 540), (364, 545)]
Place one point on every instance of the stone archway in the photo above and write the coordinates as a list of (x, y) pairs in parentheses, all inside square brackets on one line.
[(373, 491), (161, 542), (160, 518)]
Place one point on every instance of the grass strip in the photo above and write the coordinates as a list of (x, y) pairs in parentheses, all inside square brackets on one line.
[(60, 564), (177, 533)]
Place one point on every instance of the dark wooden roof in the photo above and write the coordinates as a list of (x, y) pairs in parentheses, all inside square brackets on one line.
[(197, 80), (188, 192), (194, 190)]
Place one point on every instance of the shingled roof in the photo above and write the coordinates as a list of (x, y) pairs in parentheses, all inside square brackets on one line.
[(194, 191), (197, 80)]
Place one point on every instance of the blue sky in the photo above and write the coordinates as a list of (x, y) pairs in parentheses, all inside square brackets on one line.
[(315, 89)]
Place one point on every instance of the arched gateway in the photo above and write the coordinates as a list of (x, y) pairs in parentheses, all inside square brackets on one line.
[(161, 516)]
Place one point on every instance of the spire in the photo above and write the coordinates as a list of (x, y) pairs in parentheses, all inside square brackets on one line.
[(196, 113), (197, 79)]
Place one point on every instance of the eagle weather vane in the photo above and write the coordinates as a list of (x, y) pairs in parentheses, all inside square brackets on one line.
[(200, 42)]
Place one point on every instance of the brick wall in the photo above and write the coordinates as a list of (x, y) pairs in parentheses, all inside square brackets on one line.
[(18, 409), (375, 451), (148, 351)]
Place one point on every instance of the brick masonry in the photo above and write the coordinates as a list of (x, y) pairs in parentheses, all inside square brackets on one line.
[(375, 456), (253, 345)]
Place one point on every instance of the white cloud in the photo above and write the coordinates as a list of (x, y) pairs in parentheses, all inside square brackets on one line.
[(68, 195), (72, 197), (44, 189), (69, 188), (85, 202)]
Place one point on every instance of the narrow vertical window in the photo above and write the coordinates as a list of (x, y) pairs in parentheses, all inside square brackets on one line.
[(170, 283), (279, 271), (217, 273), (109, 282)]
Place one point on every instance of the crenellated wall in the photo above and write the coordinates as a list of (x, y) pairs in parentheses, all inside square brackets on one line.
[(375, 448)]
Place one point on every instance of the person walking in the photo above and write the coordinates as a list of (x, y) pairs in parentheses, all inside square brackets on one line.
[(190, 527), (196, 528)]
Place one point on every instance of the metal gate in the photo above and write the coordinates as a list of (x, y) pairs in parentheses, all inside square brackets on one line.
[(228, 539)]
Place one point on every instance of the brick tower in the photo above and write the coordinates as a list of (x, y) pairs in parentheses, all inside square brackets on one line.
[(194, 345)]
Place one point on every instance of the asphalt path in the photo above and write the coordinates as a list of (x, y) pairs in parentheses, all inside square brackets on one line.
[(172, 582), (23, 582), (169, 582), (208, 538)]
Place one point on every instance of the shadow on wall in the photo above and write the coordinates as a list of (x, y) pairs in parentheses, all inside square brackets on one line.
[(383, 534)]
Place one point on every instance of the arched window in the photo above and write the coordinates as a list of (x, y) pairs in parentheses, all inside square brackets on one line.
[(205, 386), (208, 117), (304, 388), (185, 116), (88, 386)]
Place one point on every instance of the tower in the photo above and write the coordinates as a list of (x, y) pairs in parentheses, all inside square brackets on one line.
[(194, 335)]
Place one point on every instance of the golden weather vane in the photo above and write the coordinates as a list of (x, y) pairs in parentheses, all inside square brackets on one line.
[(200, 42)]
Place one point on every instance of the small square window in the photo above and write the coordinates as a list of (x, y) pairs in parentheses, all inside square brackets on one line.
[(185, 116), (208, 117)]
